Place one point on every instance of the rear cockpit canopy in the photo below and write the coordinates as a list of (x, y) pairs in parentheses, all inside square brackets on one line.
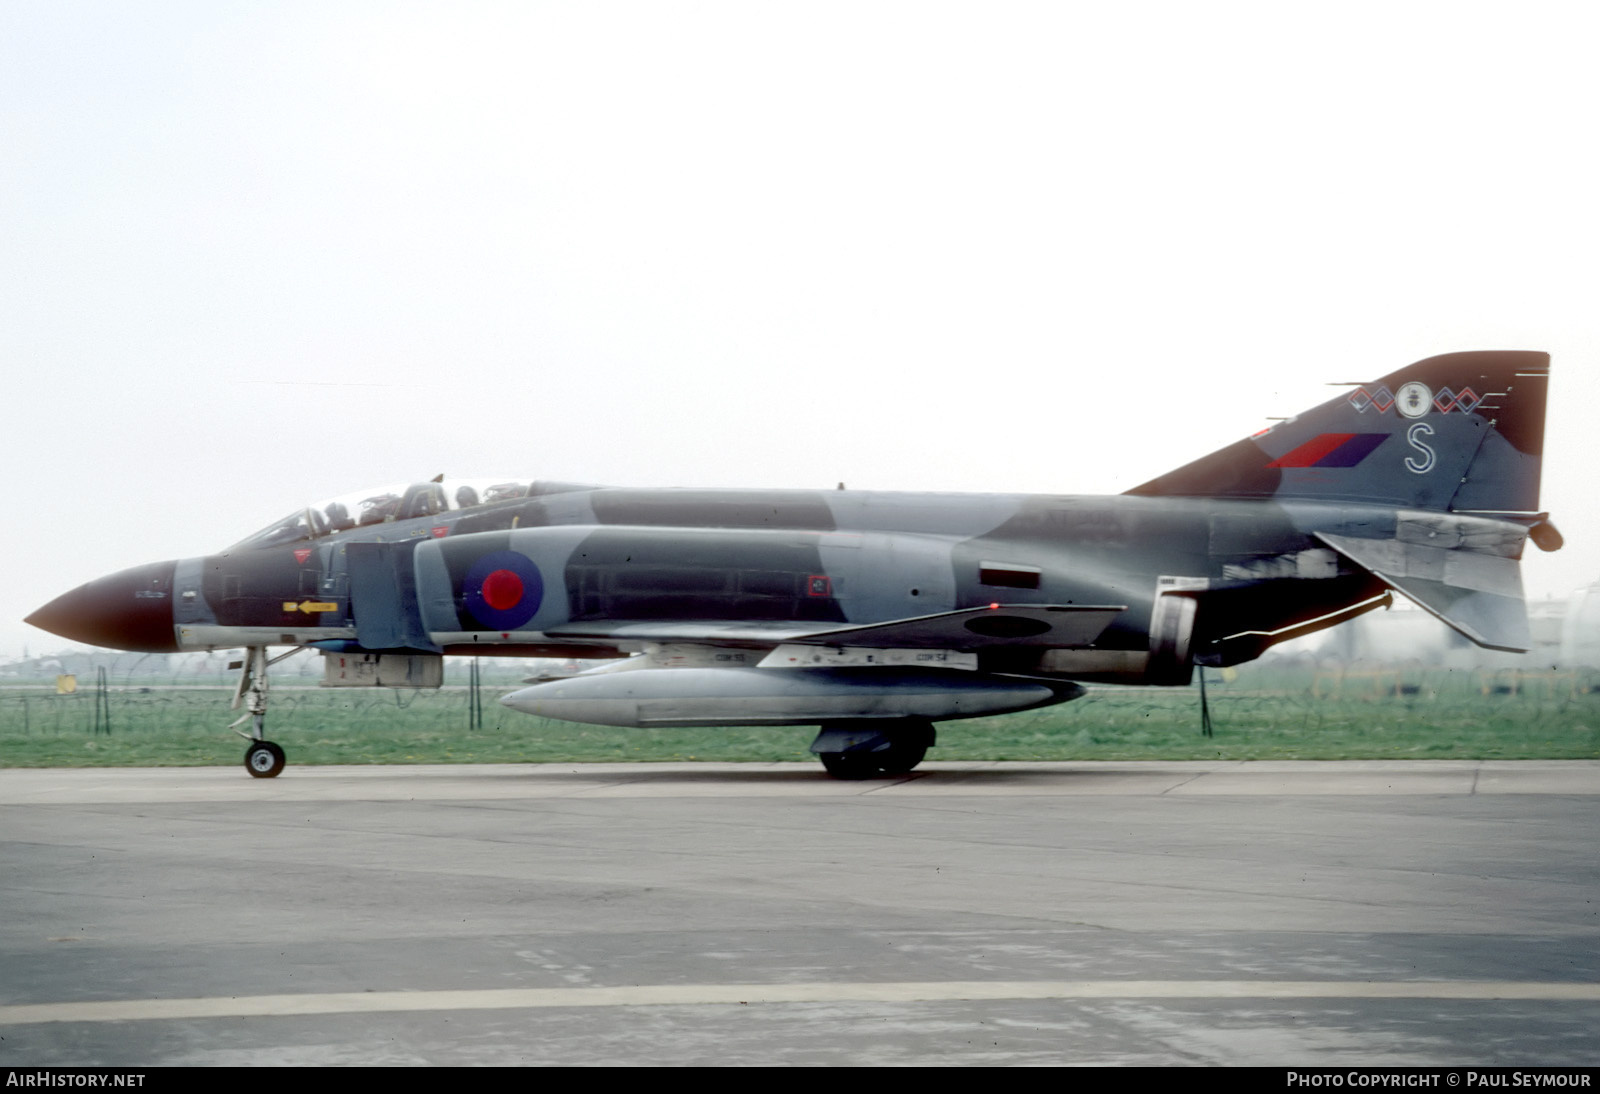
[(404, 501)]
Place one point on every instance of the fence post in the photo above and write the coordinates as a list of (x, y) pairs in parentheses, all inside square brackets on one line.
[(102, 703)]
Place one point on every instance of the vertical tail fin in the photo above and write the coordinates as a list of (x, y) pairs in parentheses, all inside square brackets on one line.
[(1463, 432)]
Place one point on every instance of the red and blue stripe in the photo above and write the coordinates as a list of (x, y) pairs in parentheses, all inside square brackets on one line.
[(1331, 450)]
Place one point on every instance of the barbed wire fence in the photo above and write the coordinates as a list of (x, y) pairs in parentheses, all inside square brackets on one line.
[(1304, 700), (122, 710)]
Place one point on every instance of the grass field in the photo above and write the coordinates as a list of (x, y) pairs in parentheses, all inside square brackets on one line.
[(1265, 713)]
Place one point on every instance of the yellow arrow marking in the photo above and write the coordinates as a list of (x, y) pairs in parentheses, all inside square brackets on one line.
[(309, 606)]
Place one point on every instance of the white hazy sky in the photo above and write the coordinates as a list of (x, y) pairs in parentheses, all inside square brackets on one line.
[(255, 254)]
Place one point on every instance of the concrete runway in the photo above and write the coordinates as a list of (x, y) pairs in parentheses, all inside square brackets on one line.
[(1317, 914)]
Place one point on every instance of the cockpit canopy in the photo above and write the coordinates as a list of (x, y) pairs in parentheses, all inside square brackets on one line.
[(403, 501)]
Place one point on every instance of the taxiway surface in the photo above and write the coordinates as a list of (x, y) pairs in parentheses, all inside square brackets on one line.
[(1331, 914)]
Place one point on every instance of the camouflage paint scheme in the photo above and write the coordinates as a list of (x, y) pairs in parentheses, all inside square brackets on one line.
[(876, 614)]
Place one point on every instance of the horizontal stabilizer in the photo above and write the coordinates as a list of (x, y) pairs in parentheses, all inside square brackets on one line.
[(1061, 626), (1479, 595)]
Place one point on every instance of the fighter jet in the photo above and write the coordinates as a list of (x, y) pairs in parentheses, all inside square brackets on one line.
[(874, 616)]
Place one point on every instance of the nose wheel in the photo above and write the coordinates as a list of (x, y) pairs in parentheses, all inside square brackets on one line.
[(263, 759)]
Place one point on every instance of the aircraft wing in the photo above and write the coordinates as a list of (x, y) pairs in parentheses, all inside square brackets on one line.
[(1044, 625), (1049, 625), (739, 634)]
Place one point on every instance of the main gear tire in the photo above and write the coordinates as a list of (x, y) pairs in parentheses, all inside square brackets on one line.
[(897, 759)]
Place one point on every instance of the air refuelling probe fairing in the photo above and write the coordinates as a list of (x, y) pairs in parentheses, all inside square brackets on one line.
[(875, 615)]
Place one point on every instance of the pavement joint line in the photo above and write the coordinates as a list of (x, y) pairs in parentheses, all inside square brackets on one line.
[(373, 1002), (1182, 783)]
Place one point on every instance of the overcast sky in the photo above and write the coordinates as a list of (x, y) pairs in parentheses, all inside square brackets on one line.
[(256, 254)]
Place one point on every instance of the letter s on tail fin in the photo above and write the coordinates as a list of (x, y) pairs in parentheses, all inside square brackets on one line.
[(1463, 432)]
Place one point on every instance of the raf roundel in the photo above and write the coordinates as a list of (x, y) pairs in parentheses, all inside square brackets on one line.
[(502, 590)]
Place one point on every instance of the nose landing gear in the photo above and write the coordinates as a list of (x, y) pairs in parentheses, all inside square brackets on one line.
[(263, 759)]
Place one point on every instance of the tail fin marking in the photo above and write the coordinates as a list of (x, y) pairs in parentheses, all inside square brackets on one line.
[(1462, 431)]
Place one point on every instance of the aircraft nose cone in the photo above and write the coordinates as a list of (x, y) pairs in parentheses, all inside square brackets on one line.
[(131, 610)]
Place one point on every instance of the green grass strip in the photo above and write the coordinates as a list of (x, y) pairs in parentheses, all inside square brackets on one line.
[(1265, 713)]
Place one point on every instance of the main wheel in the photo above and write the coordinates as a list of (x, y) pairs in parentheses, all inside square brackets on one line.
[(850, 765), (263, 759), (870, 749), (898, 759)]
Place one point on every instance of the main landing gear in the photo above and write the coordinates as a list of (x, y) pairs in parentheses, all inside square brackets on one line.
[(263, 759), (871, 749)]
